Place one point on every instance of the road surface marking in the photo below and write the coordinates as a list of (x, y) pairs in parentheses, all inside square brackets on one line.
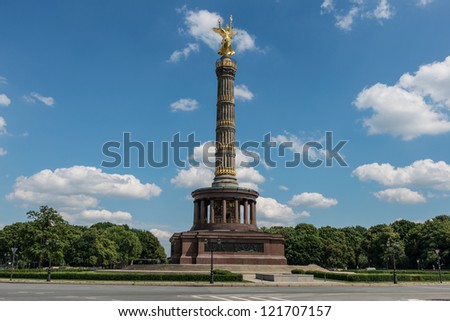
[(277, 299), (220, 298), (239, 298)]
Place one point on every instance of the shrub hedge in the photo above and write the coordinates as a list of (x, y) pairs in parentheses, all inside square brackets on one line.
[(117, 276), (400, 271), (298, 271), (379, 277)]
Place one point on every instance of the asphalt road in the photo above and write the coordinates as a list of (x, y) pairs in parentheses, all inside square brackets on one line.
[(97, 292)]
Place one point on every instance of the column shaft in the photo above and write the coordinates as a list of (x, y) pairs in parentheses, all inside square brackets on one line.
[(224, 211), (245, 212), (253, 213), (196, 213), (202, 211), (211, 211)]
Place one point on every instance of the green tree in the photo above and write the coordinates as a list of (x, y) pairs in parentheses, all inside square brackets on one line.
[(129, 247), (71, 240), (48, 225), (302, 243), (21, 236), (375, 245), (355, 236), (425, 238), (403, 227), (334, 251), (151, 248)]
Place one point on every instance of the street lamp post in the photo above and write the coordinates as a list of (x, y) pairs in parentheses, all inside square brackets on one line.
[(438, 251), (211, 249), (393, 249), (13, 250), (49, 271)]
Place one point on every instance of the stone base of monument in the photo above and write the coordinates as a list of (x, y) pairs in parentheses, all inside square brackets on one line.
[(228, 247), (291, 278)]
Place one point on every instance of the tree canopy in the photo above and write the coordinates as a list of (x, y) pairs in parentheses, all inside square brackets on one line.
[(412, 244), (47, 235)]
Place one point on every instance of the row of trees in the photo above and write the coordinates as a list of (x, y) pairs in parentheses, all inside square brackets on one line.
[(47, 236), (413, 244)]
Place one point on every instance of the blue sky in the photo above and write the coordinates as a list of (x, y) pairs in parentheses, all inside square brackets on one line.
[(77, 74)]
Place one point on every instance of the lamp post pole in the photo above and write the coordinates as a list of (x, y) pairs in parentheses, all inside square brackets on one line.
[(438, 251), (395, 270), (393, 250), (211, 275), (13, 250), (211, 249), (49, 271)]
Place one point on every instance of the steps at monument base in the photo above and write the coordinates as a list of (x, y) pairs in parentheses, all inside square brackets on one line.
[(243, 269), (291, 278)]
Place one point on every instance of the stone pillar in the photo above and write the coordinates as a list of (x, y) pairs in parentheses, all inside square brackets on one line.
[(195, 213), (202, 211), (225, 167), (236, 211), (224, 211), (211, 211), (245, 212), (253, 213)]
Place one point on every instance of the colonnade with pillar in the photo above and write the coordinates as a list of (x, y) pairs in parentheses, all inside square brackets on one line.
[(222, 211), (224, 208)]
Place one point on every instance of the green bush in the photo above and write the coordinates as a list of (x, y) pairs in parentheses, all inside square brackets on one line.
[(117, 276), (378, 277), (298, 271), (398, 271)]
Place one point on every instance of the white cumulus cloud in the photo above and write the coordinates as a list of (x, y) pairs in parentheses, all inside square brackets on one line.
[(279, 214), (243, 93), (424, 3), (417, 105), (431, 80), (105, 215), (345, 22), (383, 10), (400, 195), (4, 100), (199, 24), (300, 146), (184, 104), (77, 190), (244, 41), (3, 151), (48, 101), (327, 6), (193, 177), (421, 173), (346, 13), (203, 175), (161, 234), (184, 53), (249, 177), (2, 125), (312, 200)]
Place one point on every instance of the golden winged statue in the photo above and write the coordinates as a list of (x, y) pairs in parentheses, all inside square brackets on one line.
[(226, 34)]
